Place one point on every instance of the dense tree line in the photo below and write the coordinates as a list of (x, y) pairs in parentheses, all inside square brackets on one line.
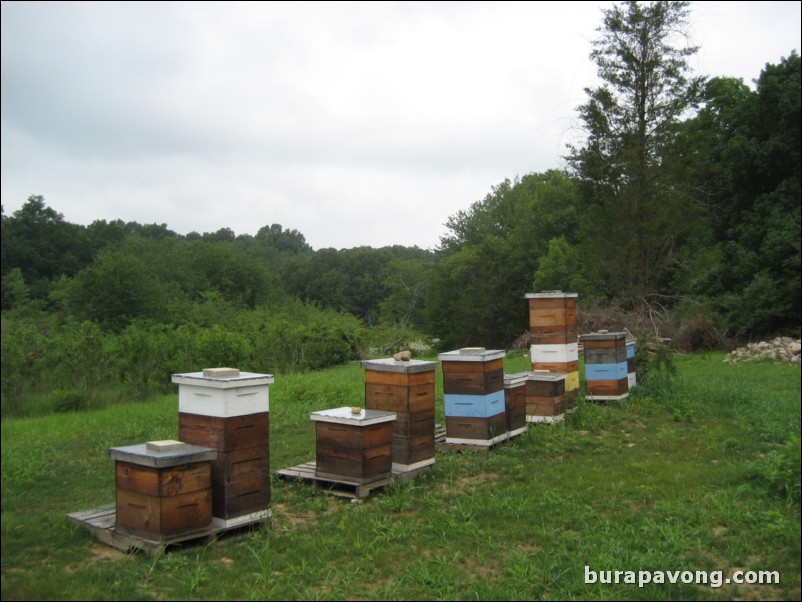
[(683, 199)]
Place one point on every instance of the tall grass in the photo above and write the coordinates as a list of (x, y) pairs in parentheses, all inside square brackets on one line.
[(692, 473)]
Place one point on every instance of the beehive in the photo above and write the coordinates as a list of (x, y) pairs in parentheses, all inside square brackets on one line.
[(553, 334), (515, 402), (229, 411), (406, 388), (163, 489), (473, 387), (545, 396), (605, 366), (632, 379), (354, 446)]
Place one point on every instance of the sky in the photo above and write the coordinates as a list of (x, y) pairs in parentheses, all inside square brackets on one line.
[(353, 123)]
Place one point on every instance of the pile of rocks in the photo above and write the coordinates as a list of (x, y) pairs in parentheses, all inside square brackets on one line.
[(781, 349)]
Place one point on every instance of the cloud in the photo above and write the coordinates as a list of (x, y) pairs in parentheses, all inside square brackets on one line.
[(354, 123)]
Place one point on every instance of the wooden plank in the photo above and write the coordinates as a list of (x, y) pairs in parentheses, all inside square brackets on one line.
[(399, 398), (516, 418), (378, 377), (604, 343), (473, 383), (412, 424), (552, 317), (476, 428), (352, 437), (163, 482), (559, 367), (515, 397), (450, 366), (552, 303), (147, 515), (100, 522), (546, 408), (242, 464), (607, 387), (225, 434), (333, 483), (409, 450), (544, 388), (238, 499)]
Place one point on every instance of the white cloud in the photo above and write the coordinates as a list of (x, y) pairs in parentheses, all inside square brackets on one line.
[(354, 123)]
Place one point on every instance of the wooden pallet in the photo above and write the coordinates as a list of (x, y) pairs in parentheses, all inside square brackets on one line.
[(101, 523), (441, 443), (335, 485)]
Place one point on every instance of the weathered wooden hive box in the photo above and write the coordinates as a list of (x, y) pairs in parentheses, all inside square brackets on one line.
[(545, 396), (553, 334), (515, 402), (354, 446), (163, 488), (473, 387), (605, 366), (229, 411), (632, 378), (406, 388)]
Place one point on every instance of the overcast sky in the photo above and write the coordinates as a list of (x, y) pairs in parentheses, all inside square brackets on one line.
[(353, 123)]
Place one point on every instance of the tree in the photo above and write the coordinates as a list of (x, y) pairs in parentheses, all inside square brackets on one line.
[(746, 164), (489, 257), (638, 209)]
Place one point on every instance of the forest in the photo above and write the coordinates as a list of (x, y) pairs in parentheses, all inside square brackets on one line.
[(678, 217)]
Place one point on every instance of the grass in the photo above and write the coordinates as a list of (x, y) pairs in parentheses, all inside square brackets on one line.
[(699, 473)]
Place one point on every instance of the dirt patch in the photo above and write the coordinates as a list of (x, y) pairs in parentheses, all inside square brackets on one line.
[(471, 483), (101, 552)]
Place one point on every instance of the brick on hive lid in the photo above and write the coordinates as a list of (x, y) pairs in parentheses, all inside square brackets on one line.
[(165, 445), (472, 350), (220, 372)]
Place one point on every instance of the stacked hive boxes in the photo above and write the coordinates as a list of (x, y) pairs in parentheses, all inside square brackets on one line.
[(228, 411), (552, 329), (515, 403), (545, 396), (631, 376), (353, 444), (406, 388), (606, 366), (473, 387), (164, 488)]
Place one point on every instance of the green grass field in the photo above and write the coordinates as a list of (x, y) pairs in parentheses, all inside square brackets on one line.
[(697, 474)]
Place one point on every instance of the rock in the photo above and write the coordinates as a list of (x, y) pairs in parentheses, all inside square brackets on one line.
[(781, 349), (403, 356)]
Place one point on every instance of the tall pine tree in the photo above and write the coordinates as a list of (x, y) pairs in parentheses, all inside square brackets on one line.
[(637, 212)]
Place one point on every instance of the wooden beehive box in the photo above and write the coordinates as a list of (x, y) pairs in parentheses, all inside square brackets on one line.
[(353, 446), (473, 385), (553, 309), (606, 367), (163, 489), (399, 386), (545, 395), (228, 410), (405, 387), (515, 402)]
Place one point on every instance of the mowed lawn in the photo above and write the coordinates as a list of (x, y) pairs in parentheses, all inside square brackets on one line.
[(699, 473)]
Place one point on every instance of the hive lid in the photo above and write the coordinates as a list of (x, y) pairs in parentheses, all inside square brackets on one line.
[(407, 367), (140, 454), (551, 295), (471, 354), (545, 375), (242, 379), (603, 336), (511, 380), (346, 416)]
